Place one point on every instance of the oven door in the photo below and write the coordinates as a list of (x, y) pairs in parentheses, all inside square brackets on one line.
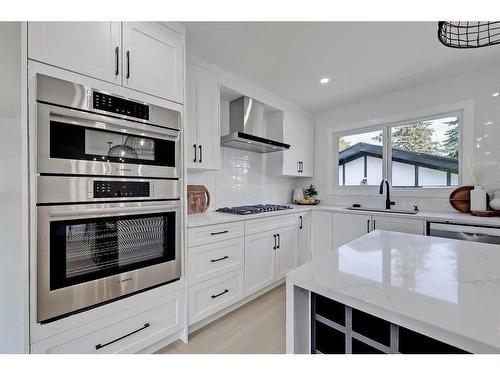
[(77, 142), (93, 253)]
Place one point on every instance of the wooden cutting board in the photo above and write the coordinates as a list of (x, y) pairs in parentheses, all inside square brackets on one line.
[(198, 199), (460, 199)]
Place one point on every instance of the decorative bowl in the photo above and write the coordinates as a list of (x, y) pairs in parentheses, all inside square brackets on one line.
[(316, 201)]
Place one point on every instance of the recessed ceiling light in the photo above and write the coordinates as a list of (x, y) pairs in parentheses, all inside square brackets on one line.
[(324, 81), (495, 94), (488, 123)]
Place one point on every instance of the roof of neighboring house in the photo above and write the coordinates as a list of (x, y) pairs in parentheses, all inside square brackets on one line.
[(409, 157)]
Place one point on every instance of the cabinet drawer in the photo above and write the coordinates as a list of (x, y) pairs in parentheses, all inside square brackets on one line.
[(270, 223), (208, 261), (214, 295), (213, 233), (129, 335)]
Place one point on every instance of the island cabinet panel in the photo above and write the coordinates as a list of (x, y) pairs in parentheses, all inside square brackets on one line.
[(411, 342), (372, 327), (340, 329)]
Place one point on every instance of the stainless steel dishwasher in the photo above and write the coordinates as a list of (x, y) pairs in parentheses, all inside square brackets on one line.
[(465, 232)]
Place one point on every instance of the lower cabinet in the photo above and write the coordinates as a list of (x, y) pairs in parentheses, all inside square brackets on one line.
[(216, 294), (304, 247), (125, 332), (321, 233), (268, 256), (348, 227), (340, 329)]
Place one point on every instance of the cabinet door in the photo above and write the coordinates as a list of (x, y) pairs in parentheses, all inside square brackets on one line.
[(291, 135), (321, 233), (347, 227), (306, 156), (286, 251), (259, 261), (89, 48), (190, 110), (398, 224), (205, 117), (304, 248), (153, 58)]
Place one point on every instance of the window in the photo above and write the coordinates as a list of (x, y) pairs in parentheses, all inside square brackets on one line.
[(415, 153)]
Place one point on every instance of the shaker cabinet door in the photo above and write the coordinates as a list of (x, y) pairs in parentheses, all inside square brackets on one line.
[(286, 252), (347, 227), (259, 261), (89, 48), (153, 56)]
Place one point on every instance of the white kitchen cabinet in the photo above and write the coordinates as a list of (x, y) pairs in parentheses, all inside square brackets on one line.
[(144, 56), (304, 242), (89, 48), (259, 261), (286, 251), (399, 224), (269, 256), (153, 59), (321, 233), (203, 113), (347, 227), (299, 134)]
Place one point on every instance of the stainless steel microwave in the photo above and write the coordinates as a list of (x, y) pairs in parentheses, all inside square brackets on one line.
[(84, 131)]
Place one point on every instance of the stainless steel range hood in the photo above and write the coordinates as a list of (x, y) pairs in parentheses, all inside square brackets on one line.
[(247, 128)]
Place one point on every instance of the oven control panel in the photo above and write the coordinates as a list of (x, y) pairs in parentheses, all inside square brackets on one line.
[(120, 106), (121, 189)]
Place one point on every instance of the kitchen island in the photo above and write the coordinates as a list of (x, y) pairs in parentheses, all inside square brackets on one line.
[(389, 292)]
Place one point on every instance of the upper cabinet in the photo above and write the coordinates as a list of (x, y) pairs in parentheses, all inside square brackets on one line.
[(202, 119), (144, 56), (153, 57), (298, 132), (90, 48)]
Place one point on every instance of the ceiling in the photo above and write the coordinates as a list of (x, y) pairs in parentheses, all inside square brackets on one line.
[(362, 59)]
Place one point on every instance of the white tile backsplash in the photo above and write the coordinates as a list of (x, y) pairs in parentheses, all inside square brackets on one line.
[(244, 178)]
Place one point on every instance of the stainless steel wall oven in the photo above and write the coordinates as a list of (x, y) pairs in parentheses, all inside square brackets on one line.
[(108, 197)]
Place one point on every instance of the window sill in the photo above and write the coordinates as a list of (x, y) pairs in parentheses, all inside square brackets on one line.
[(366, 191)]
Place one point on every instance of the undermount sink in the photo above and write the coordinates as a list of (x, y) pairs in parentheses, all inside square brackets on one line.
[(390, 211)]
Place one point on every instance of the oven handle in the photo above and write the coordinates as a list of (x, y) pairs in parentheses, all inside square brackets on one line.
[(119, 210), (79, 118)]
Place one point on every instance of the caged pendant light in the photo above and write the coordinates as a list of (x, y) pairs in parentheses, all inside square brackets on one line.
[(469, 34)]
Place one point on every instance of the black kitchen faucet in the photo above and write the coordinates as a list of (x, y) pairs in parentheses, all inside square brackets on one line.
[(388, 202)]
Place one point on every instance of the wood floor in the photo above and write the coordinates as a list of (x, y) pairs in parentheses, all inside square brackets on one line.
[(255, 328)]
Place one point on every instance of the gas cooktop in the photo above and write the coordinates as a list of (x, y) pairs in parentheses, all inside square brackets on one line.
[(254, 209)]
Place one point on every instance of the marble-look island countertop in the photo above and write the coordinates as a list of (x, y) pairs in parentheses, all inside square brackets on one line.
[(446, 289)]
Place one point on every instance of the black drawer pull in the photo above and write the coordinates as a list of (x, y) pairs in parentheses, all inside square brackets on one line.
[(128, 64), (279, 241), (219, 259), (216, 233), (194, 161), (220, 294), (100, 346), (117, 50)]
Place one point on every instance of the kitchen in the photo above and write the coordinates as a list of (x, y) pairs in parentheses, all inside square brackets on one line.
[(171, 193)]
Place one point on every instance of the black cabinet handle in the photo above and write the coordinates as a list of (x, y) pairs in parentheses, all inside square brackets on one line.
[(117, 50), (220, 294), (368, 226), (216, 233), (200, 154), (128, 64), (298, 166), (219, 259), (274, 247), (301, 167), (100, 346), (279, 241), (194, 154), (300, 227), (374, 224)]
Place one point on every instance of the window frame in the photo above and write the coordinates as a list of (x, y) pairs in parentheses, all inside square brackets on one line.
[(464, 112)]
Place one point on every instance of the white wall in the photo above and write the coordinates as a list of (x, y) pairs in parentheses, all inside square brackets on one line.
[(13, 193), (245, 177), (476, 86)]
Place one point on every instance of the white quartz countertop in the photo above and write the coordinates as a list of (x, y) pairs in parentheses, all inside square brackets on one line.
[(446, 289), (211, 217)]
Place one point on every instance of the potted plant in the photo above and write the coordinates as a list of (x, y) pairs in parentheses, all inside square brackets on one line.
[(311, 193)]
